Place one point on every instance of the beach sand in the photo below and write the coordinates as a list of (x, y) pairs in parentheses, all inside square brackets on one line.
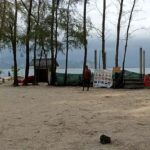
[(66, 118)]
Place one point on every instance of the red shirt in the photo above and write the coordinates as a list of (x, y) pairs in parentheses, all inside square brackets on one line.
[(87, 74)]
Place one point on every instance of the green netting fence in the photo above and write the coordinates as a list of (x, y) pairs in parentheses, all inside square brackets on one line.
[(76, 79), (72, 79), (128, 75)]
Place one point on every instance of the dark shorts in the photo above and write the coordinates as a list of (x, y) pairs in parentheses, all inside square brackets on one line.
[(86, 82)]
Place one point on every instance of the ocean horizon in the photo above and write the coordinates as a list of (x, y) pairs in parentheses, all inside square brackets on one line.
[(21, 72)]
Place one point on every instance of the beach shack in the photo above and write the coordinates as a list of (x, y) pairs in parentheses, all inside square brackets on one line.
[(43, 69)]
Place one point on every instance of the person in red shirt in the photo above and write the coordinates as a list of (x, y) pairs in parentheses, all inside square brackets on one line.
[(86, 77)]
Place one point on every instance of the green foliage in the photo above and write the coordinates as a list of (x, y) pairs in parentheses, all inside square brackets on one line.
[(75, 28), (7, 18), (42, 29), (41, 24)]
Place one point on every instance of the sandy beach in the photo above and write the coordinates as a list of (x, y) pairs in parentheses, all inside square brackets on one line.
[(66, 118)]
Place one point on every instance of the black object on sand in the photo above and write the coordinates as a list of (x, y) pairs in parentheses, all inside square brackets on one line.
[(105, 139)]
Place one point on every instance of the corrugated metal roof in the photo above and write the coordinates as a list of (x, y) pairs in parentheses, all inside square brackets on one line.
[(42, 62)]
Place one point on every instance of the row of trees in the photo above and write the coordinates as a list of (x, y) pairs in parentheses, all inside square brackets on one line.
[(121, 13), (50, 26), (45, 27)]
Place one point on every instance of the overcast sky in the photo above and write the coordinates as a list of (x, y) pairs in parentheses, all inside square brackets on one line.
[(139, 38), (140, 21)]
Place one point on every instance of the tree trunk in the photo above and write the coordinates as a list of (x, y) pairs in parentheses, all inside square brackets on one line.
[(15, 47), (39, 66), (103, 34), (52, 45), (85, 34), (27, 44), (67, 44), (35, 43), (3, 18), (127, 38), (118, 33), (56, 34), (15, 65), (43, 49), (35, 46)]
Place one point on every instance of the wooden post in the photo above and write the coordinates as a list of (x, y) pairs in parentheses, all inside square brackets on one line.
[(95, 59), (99, 60), (143, 62), (106, 59)]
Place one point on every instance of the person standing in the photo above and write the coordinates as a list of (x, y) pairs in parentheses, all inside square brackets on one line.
[(9, 74), (86, 77)]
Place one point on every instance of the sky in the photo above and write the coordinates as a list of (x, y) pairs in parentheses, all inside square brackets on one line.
[(141, 17), (140, 29)]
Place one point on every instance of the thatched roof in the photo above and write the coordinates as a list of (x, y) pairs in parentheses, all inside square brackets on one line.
[(42, 63)]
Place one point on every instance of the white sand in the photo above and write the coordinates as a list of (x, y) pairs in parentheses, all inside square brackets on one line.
[(66, 118)]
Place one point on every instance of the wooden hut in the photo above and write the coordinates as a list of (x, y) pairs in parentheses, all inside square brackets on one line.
[(43, 69)]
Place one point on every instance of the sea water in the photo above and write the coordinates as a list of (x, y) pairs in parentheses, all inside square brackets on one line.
[(21, 72)]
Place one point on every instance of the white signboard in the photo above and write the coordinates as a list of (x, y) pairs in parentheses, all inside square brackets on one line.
[(103, 78)]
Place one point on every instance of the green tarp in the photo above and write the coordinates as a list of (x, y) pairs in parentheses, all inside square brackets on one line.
[(130, 80), (128, 75), (72, 79), (76, 79), (131, 75)]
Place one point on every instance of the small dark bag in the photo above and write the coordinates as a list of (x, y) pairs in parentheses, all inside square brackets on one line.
[(105, 139)]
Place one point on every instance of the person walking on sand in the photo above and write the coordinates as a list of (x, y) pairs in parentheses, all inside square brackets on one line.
[(86, 77)]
